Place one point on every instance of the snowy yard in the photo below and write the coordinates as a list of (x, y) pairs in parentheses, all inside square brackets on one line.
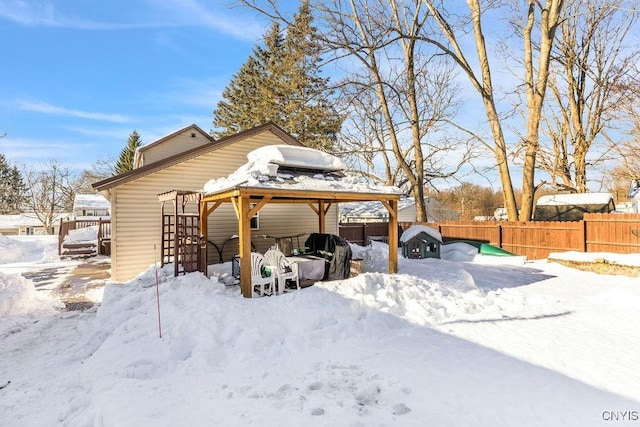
[(469, 342)]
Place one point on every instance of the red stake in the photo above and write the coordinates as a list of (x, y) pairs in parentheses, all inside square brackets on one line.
[(158, 295)]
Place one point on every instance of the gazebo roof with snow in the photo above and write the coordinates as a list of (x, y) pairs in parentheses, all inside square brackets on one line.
[(289, 174)]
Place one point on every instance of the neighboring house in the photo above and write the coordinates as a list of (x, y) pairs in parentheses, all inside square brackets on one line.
[(186, 160), (91, 205), (376, 212), (27, 224)]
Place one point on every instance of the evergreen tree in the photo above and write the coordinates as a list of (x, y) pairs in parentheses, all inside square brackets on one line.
[(12, 188), (125, 161), (281, 83)]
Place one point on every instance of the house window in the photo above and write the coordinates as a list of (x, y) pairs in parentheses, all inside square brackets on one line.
[(255, 220)]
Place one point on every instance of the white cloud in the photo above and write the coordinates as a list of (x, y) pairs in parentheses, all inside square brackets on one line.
[(45, 108), (140, 14)]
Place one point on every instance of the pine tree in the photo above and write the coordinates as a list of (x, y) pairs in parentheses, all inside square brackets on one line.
[(125, 161), (281, 82), (12, 188)]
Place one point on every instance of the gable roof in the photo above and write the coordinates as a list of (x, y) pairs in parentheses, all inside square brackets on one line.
[(134, 174), (174, 134)]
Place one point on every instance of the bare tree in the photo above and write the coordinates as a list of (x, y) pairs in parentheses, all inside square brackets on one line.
[(541, 20), (398, 94), (50, 191), (363, 31), (593, 69)]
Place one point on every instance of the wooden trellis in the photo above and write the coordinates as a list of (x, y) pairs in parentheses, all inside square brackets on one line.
[(181, 242)]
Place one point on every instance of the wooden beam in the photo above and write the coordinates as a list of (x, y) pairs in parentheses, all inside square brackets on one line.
[(314, 208), (326, 210), (259, 206), (215, 206), (234, 202), (393, 236), (391, 211), (322, 223), (244, 233)]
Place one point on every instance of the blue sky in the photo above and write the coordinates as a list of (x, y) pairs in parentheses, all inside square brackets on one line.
[(78, 76)]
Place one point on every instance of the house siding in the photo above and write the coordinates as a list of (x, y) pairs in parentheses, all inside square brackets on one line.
[(136, 222), (178, 144)]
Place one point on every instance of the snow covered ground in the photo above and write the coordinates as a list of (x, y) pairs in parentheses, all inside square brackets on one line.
[(458, 342)]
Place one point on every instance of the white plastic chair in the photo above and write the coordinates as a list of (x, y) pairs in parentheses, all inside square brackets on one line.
[(285, 270), (257, 279)]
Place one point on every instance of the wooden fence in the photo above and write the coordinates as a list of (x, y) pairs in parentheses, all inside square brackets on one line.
[(597, 232)]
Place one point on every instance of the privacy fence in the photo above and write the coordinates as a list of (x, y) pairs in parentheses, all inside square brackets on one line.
[(619, 233)]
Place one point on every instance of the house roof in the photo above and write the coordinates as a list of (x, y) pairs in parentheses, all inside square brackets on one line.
[(27, 219), (575, 199), (90, 201), (145, 147), (134, 174)]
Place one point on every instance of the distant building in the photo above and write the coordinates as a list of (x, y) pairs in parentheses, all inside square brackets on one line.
[(375, 212), (91, 205), (572, 207), (27, 224)]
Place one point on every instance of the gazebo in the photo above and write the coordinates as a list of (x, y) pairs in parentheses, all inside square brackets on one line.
[(248, 200), (278, 174)]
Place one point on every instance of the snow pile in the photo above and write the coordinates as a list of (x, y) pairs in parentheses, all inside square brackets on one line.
[(82, 235), (454, 343), (262, 170), (20, 303), (632, 260), (27, 249), (301, 157), (458, 251)]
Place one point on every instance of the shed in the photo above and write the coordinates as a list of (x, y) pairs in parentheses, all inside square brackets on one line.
[(572, 207), (420, 241)]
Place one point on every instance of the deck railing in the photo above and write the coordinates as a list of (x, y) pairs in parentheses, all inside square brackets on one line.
[(104, 232)]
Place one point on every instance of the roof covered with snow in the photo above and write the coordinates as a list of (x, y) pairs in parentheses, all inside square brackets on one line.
[(373, 209), (28, 219), (90, 201), (296, 169), (415, 230), (575, 199)]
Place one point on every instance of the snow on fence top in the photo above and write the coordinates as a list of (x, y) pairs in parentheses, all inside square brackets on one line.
[(315, 171)]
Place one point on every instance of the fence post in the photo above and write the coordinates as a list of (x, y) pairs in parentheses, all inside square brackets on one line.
[(499, 235), (583, 235)]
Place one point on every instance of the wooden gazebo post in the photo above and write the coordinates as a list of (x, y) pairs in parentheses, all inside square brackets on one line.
[(244, 234), (392, 207)]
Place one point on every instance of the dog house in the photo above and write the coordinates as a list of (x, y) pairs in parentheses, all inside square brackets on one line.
[(420, 241)]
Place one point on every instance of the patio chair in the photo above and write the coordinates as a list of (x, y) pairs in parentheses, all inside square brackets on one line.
[(285, 270), (258, 268)]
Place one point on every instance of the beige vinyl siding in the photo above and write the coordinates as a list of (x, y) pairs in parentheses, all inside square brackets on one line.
[(136, 223), (407, 214), (178, 144)]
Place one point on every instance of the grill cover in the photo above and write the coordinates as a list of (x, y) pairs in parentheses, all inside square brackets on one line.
[(333, 248)]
